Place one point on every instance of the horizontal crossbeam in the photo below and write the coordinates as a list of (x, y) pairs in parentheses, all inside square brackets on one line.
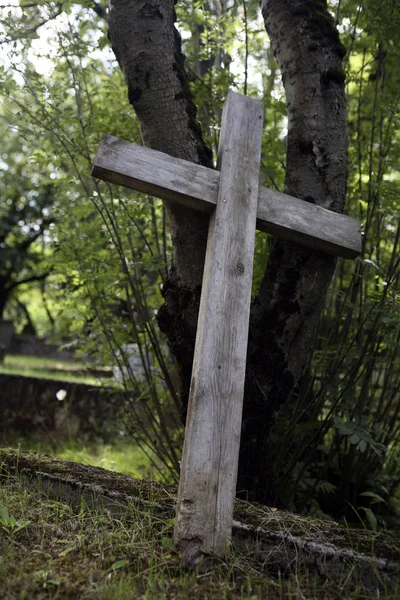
[(176, 180)]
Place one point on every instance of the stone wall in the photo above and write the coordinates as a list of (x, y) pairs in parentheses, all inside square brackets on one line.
[(56, 409)]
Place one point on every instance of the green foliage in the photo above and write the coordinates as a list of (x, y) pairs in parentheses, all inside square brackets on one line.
[(9, 523), (107, 250), (27, 199), (358, 434)]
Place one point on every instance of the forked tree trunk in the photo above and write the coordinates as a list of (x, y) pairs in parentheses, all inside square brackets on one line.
[(285, 314)]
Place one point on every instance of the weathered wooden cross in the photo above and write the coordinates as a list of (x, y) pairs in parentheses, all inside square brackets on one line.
[(236, 204)]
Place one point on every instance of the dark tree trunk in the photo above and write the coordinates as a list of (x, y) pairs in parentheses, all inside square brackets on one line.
[(285, 314), (148, 49), (4, 295)]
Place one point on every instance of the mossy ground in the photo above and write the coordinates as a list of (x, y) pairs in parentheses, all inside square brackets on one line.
[(62, 552), (120, 454), (66, 552), (54, 549)]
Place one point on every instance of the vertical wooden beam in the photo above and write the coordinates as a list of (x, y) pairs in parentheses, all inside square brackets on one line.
[(211, 449)]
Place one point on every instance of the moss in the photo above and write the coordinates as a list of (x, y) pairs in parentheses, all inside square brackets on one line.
[(81, 551), (29, 462), (367, 542)]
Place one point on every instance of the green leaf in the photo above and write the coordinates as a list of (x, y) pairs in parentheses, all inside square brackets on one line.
[(66, 551), (120, 564), (371, 518), (166, 542), (376, 497), (21, 525), (4, 515)]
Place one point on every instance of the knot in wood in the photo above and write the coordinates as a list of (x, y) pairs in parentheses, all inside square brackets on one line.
[(239, 268)]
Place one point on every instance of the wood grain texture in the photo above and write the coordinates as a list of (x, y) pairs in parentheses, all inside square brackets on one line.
[(177, 180), (156, 174), (212, 435), (308, 224)]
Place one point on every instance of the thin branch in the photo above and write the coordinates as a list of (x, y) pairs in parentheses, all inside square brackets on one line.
[(246, 56), (32, 30), (100, 10)]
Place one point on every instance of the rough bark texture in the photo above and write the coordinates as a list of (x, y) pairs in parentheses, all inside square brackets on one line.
[(148, 49), (286, 312)]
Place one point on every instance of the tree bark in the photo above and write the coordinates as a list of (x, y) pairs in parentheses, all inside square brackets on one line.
[(285, 314), (148, 49)]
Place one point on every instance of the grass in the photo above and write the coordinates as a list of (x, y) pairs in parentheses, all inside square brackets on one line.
[(39, 363), (54, 551), (49, 368), (121, 456), (51, 550)]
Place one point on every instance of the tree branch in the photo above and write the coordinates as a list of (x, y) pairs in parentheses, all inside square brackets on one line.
[(30, 279), (32, 30), (100, 10)]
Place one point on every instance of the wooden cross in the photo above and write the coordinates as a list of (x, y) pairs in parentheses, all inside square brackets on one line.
[(236, 204)]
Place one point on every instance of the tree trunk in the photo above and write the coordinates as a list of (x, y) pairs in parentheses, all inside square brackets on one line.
[(148, 49), (4, 295), (285, 314)]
